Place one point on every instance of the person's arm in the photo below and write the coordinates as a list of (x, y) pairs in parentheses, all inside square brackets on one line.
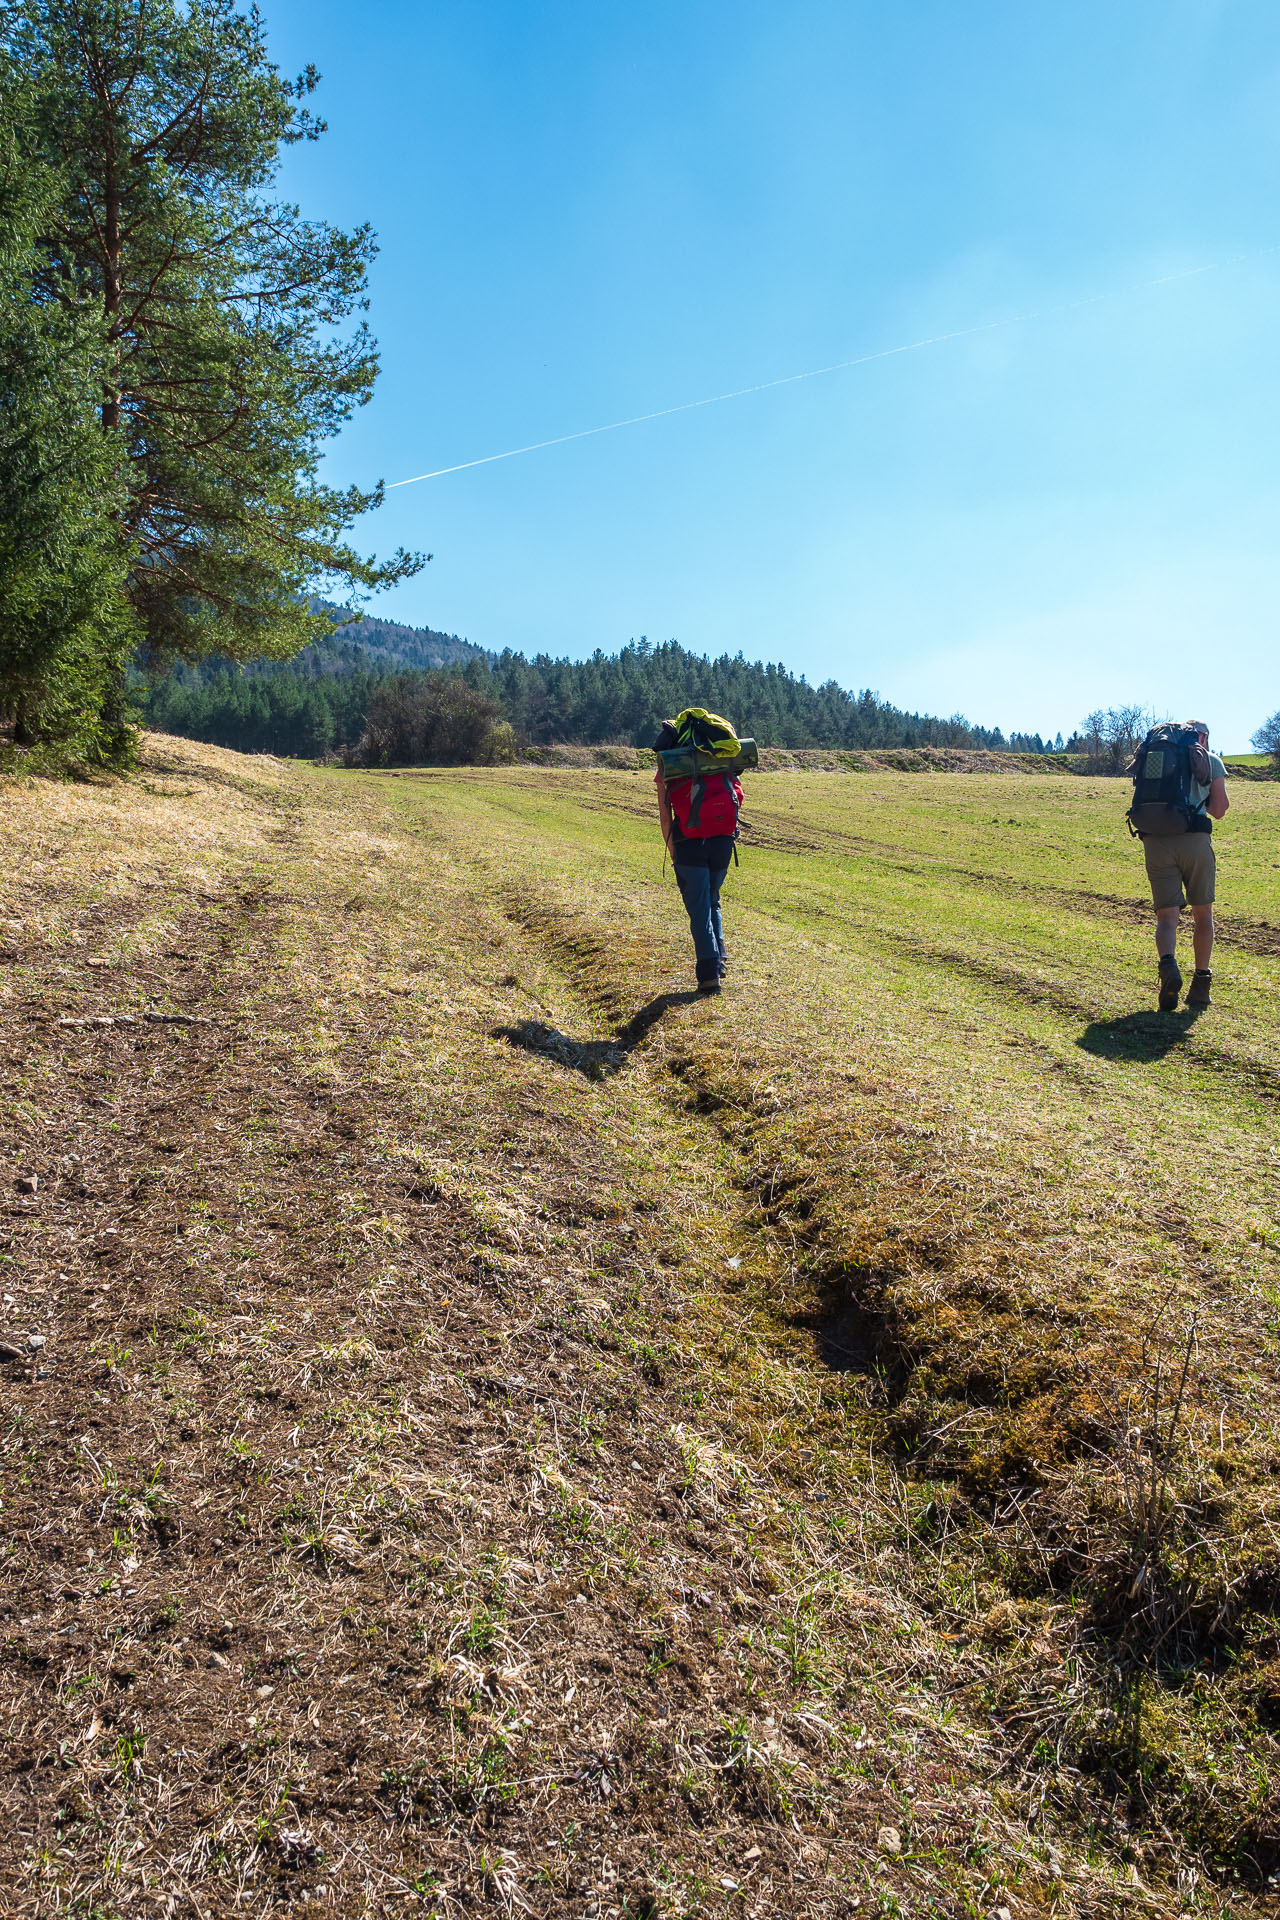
[(1217, 803), (664, 810)]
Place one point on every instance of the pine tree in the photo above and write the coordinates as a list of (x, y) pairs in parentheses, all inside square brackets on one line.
[(159, 125), (66, 628)]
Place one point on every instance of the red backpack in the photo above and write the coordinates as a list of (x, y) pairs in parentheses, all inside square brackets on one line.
[(705, 805)]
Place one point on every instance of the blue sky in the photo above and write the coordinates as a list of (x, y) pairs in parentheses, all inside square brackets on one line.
[(588, 211)]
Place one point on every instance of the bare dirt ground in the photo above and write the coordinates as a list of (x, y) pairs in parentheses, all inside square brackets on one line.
[(418, 1494)]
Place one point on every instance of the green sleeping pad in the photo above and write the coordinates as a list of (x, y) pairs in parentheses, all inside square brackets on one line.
[(682, 763)]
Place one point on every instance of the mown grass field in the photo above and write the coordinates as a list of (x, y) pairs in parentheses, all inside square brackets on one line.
[(511, 1437)]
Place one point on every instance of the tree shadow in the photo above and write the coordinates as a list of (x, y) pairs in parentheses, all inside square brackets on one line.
[(1139, 1036), (594, 1059)]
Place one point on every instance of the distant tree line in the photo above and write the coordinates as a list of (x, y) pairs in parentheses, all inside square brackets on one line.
[(303, 716), (304, 708), (322, 703), (1108, 740), (625, 696)]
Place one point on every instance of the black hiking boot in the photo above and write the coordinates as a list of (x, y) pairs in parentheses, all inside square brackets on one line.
[(708, 972), (1170, 983), (1198, 993)]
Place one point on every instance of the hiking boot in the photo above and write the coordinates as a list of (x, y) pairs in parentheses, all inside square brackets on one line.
[(1170, 983), (1198, 991)]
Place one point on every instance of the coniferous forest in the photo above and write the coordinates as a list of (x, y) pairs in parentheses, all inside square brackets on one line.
[(318, 703)]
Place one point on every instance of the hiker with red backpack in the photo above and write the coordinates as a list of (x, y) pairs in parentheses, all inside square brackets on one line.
[(699, 796), (1179, 790)]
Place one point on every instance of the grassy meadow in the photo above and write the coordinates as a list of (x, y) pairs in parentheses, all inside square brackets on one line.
[(502, 1433)]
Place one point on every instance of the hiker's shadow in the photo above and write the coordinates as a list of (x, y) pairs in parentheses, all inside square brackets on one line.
[(595, 1059), (1139, 1036)]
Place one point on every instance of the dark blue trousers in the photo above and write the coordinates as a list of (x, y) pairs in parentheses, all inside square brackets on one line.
[(700, 891)]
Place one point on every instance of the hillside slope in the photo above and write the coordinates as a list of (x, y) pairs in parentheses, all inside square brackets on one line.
[(506, 1435), (390, 643)]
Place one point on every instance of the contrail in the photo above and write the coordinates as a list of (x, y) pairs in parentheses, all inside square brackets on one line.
[(836, 366)]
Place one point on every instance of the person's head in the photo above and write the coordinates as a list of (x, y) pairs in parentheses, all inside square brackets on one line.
[(1199, 727)]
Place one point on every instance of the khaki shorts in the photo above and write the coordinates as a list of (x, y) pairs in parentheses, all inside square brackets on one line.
[(1184, 860)]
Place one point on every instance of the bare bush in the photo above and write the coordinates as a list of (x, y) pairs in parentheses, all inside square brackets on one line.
[(1267, 739), (1110, 739), (439, 717)]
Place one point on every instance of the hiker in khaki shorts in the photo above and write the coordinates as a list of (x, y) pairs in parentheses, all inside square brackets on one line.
[(1182, 869)]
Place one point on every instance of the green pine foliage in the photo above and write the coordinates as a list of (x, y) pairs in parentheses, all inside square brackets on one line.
[(68, 627), (299, 715), (390, 642), (222, 338), (625, 696), (303, 708), (321, 702)]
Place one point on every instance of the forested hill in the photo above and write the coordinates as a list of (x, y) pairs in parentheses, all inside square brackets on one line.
[(317, 702), (385, 643), (306, 706), (624, 696), (363, 646)]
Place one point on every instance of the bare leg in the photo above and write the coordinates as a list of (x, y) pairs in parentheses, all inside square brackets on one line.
[(1167, 928), (1202, 935)]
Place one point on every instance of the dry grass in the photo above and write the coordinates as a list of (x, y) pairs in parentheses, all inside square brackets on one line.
[(559, 1476), (622, 758)]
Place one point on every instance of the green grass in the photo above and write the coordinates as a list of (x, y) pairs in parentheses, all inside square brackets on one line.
[(1252, 766), (938, 922)]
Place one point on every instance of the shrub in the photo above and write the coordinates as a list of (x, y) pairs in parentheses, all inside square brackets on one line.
[(1110, 739), (1267, 739), (419, 717)]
